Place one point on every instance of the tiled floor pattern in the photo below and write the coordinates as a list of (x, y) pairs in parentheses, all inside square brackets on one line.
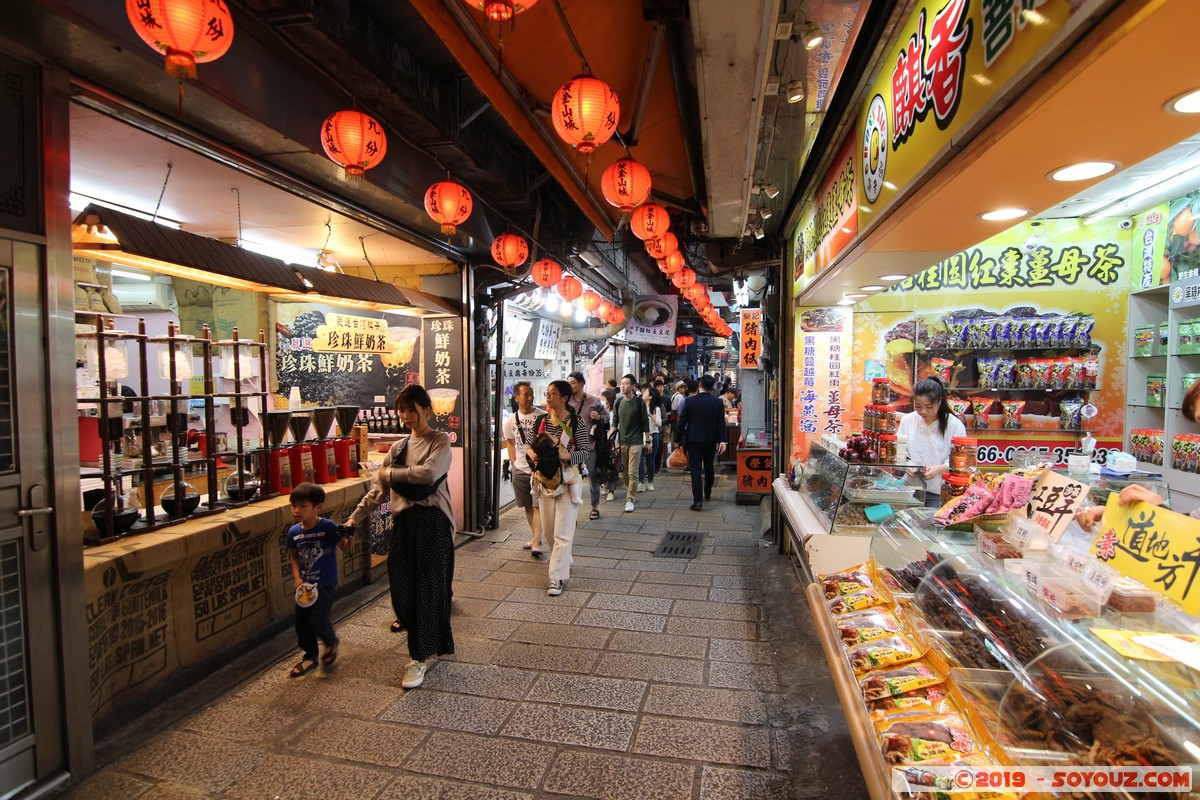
[(648, 679)]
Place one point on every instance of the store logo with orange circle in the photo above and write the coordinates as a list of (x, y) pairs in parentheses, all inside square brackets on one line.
[(875, 148)]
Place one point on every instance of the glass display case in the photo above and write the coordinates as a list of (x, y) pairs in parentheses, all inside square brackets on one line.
[(1040, 673), (852, 496)]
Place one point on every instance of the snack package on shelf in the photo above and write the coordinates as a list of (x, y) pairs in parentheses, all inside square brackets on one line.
[(864, 626), (926, 700), (879, 653), (893, 681), (926, 739)]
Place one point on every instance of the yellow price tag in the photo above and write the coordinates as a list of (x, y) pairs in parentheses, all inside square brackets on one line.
[(1156, 547)]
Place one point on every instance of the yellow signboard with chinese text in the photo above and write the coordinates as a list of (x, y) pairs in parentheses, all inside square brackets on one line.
[(1154, 546)]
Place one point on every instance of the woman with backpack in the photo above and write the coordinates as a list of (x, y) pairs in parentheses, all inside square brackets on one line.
[(560, 512)]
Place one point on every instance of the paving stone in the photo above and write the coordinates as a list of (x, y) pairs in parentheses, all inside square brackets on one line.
[(644, 589), (484, 628), (622, 602), (720, 783), (316, 692), (574, 597), (732, 675), (699, 608), (577, 690), (501, 577), (597, 552), (492, 760), (204, 762), (109, 785), (584, 584), (471, 607), (243, 720), (661, 565), (375, 637), (704, 568), (528, 612), (726, 705), (682, 579), (703, 741), (360, 740), (651, 668), (623, 620), (658, 644), (593, 573), (725, 628), (734, 595), (573, 726), (432, 709), (413, 787), (472, 575), (482, 680), (470, 650), (564, 635), (579, 559), (546, 657), (294, 776), (740, 651), (485, 590), (618, 777)]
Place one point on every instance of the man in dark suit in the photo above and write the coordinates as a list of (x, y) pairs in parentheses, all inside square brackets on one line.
[(701, 426)]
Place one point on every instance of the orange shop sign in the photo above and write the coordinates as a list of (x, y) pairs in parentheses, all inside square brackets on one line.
[(751, 337), (754, 470), (829, 224)]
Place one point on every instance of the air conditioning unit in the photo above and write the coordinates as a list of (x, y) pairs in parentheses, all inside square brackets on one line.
[(145, 296)]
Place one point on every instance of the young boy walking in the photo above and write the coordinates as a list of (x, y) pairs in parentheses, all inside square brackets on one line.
[(310, 544)]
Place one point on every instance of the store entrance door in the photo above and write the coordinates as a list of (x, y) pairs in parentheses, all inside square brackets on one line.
[(31, 733)]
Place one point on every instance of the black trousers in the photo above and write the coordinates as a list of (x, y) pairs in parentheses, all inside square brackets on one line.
[(700, 456), (314, 622), (420, 571)]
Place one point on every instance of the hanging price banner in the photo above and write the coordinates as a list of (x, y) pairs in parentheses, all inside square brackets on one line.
[(1152, 545)]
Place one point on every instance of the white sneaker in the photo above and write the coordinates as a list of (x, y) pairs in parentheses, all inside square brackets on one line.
[(649, 487), (555, 589), (610, 496), (641, 487), (414, 676), (628, 506)]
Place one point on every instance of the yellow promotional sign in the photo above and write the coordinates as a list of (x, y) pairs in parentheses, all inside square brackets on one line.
[(1155, 547), (945, 68), (828, 227), (751, 338), (330, 339)]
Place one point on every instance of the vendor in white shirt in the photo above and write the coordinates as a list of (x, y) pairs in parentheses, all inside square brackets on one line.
[(929, 428)]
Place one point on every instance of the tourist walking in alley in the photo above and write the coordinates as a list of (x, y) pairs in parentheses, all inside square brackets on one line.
[(633, 434), (592, 412), (701, 428), (559, 512), (519, 430)]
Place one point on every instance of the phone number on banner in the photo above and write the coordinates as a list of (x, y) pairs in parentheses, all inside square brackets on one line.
[(1037, 779), (999, 452)]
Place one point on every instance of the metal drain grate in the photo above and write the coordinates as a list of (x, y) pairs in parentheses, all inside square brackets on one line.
[(679, 544)]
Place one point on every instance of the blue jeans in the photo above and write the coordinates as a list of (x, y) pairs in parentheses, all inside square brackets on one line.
[(649, 463), (313, 623)]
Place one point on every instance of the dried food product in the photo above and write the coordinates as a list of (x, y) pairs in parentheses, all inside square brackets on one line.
[(868, 598), (865, 626), (884, 652), (1012, 413), (1070, 414), (996, 546), (930, 699), (847, 581), (940, 368), (898, 680), (980, 406), (851, 514), (1130, 597), (926, 739), (959, 406)]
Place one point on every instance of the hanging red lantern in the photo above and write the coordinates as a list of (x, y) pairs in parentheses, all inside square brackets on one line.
[(683, 278), (649, 219), (546, 273), (694, 291), (590, 300), (509, 250), (448, 204), (188, 32), (603, 310), (569, 288), (662, 246), (616, 316), (501, 10), (585, 112), (626, 184), (674, 263), (353, 140), (702, 303)]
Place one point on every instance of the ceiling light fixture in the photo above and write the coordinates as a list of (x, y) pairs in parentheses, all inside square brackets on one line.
[(872, 288), (1004, 214), (794, 91), (79, 202), (896, 277), (758, 232), (769, 189), (855, 296), (765, 212), (1084, 170), (846, 302), (133, 276), (812, 36), (1187, 103)]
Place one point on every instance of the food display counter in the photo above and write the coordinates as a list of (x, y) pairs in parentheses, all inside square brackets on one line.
[(176, 598)]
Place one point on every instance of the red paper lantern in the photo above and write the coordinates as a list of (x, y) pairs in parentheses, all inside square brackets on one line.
[(626, 184), (354, 140), (694, 291), (501, 10), (585, 112), (448, 204), (569, 288), (702, 303), (674, 263), (590, 300), (616, 316), (509, 250), (546, 272), (683, 278), (188, 32), (603, 310), (662, 246), (649, 219)]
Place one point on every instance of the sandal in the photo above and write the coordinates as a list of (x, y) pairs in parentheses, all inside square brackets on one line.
[(535, 552), (527, 546), (329, 656), (595, 514), (300, 670), (396, 627)]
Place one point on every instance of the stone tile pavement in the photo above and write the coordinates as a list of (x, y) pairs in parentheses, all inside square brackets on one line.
[(648, 679)]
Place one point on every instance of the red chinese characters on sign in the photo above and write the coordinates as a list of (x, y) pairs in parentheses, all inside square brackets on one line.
[(751, 338), (929, 71)]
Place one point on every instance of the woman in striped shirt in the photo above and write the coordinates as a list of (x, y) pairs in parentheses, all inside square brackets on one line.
[(559, 512)]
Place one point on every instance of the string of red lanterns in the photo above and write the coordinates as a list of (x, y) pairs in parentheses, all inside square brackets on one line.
[(546, 273), (625, 184)]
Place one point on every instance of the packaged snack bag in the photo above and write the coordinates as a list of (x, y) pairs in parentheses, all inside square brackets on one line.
[(959, 406), (1083, 332), (886, 652), (1070, 416), (864, 626), (1091, 370), (930, 699), (980, 406), (940, 368), (1012, 414), (926, 739), (858, 601), (845, 583), (897, 680), (1006, 372), (1004, 332)]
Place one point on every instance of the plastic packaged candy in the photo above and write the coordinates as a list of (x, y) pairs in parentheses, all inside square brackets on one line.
[(867, 598), (1070, 414), (1012, 414), (940, 369), (981, 405), (885, 652)]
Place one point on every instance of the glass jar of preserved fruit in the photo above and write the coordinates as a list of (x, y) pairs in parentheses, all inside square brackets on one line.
[(887, 419), (963, 453), (954, 485), (887, 447), (881, 391)]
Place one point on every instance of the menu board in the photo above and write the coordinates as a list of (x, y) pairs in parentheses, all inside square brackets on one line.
[(443, 374)]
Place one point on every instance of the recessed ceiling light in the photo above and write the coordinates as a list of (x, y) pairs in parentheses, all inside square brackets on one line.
[(872, 288), (1082, 171), (896, 277), (1002, 214), (854, 296), (1188, 103), (846, 302)]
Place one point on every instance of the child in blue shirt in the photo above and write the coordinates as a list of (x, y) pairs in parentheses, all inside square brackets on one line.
[(310, 544)]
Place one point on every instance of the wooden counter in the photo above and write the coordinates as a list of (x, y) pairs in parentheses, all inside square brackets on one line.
[(170, 600)]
